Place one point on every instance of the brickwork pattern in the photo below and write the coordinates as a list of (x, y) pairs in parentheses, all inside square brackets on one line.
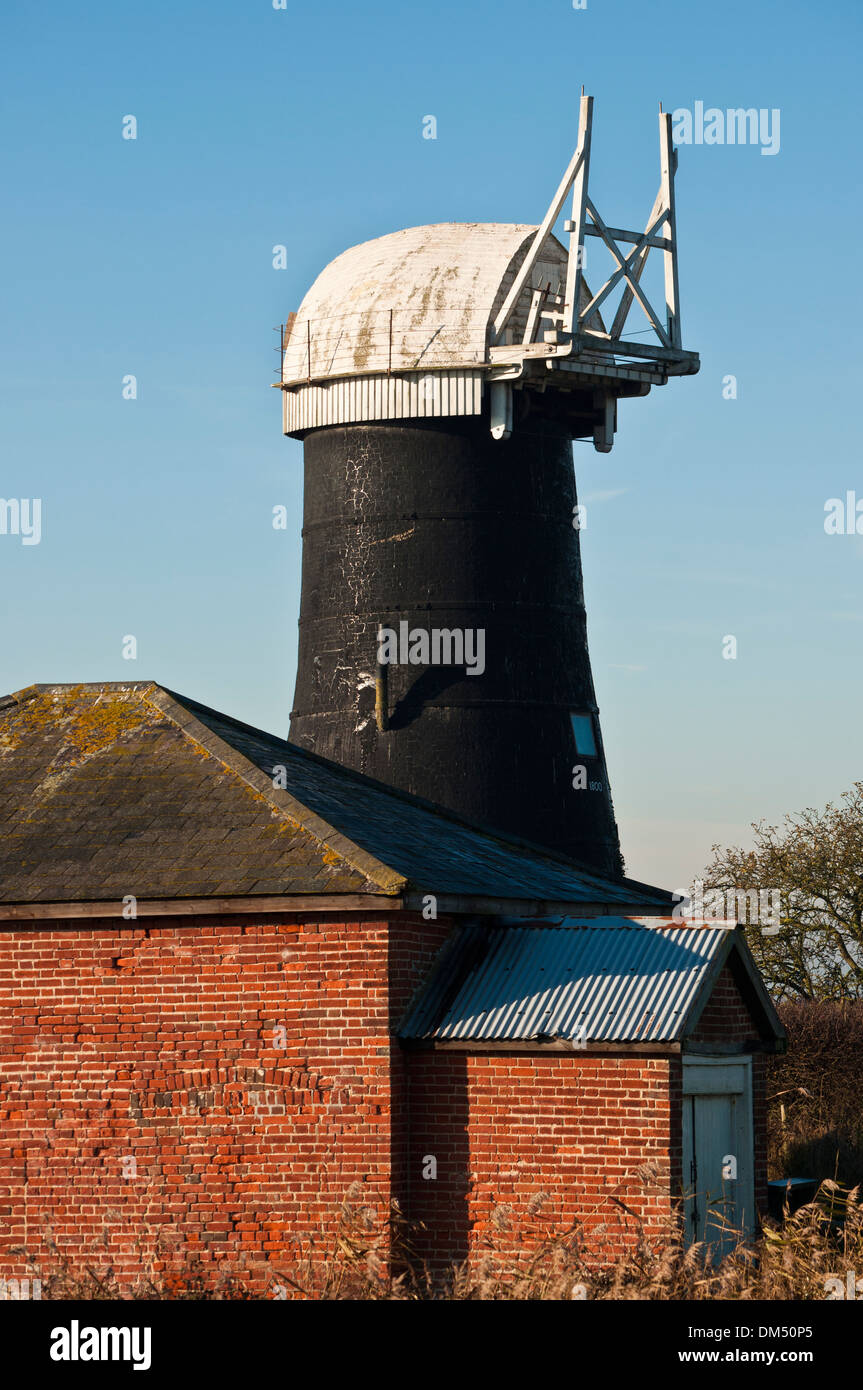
[(213, 1086)]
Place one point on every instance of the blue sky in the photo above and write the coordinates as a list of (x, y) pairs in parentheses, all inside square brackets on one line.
[(303, 127)]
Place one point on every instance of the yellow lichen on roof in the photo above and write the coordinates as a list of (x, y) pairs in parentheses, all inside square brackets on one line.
[(109, 788), (87, 719)]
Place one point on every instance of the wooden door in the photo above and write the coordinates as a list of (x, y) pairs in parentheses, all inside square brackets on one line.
[(718, 1151)]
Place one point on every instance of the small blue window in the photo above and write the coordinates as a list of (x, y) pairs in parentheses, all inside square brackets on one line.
[(582, 728)]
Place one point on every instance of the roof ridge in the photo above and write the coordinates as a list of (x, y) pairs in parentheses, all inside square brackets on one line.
[(490, 832), (30, 692), (281, 800), (527, 870)]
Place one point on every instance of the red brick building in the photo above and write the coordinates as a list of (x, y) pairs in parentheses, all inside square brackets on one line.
[(239, 980)]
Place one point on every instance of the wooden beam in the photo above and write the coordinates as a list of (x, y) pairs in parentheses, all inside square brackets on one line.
[(586, 338), (672, 289), (623, 263), (575, 259), (536, 246), (197, 907), (603, 433), (627, 296), (643, 377), (624, 271), (535, 1045), (451, 904), (662, 243), (501, 410), (534, 313), (370, 903)]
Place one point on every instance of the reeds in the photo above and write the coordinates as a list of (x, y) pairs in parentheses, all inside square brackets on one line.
[(513, 1260)]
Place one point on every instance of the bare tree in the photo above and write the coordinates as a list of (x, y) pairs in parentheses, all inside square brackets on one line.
[(813, 865)]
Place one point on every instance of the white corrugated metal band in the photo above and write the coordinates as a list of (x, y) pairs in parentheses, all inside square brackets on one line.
[(354, 399)]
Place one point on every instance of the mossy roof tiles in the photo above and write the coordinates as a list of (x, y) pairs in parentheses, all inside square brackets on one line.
[(114, 789)]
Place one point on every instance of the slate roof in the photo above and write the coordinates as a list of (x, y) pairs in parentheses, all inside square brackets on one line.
[(127, 788), (622, 982)]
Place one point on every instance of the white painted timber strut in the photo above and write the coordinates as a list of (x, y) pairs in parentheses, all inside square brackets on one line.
[(446, 319)]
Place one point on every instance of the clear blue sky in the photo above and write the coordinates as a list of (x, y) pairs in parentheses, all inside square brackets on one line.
[(303, 127)]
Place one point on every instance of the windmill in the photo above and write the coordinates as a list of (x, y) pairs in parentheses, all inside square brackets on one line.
[(438, 376)]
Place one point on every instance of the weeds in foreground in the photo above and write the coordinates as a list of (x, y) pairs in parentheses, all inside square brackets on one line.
[(790, 1260), (793, 1259)]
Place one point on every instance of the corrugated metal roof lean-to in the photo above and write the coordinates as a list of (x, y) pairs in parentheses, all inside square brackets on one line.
[(616, 983)]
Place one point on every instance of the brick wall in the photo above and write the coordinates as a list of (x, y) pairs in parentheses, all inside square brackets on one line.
[(506, 1127), (579, 1128), (413, 947), (147, 1095), (217, 1085)]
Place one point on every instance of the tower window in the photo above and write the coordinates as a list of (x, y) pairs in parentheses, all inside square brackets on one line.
[(585, 740)]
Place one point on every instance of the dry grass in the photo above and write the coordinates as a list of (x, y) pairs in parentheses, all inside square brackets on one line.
[(63, 1277), (791, 1260)]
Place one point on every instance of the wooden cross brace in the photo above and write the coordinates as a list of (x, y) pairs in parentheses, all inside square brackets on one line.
[(630, 266)]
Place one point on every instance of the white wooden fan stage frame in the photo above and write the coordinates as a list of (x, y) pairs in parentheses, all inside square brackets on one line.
[(562, 347)]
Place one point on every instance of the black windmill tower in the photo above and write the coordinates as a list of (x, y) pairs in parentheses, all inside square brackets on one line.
[(437, 377)]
